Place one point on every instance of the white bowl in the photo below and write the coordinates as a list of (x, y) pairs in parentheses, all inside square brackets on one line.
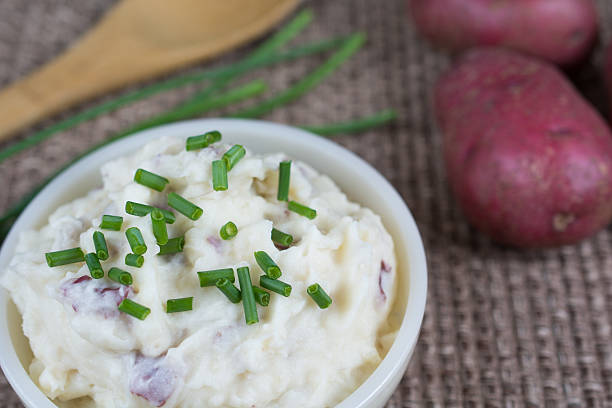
[(361, 182)]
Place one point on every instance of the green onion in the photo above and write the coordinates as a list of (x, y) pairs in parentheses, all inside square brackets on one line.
[(202, 141), (264, 51), (350, 46), (256, 60), (317, 294), (281, 238), (179, 305), (137, 209), (120, 276), (64, 257), (228, 231), (229, 290), (197, 107), (209, 278), (136, 241), (267, 265), (10, 215), (355, 125), (151, 180), (185, 207), (215, 74), (134, 260), (173, 246), (248, 298), (246, 65), (160, 231), (93, 264), (100, 245), (285, 34), (302, 210), (233, 156), (275, 285), (219, 175), (261, 296), (111, 222), (140, 210), (284, 172), (168, 216), (132, 308)]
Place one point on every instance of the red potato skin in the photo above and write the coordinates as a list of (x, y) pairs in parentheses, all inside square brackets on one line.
[(560, 31), (608, 76), (529, 161)]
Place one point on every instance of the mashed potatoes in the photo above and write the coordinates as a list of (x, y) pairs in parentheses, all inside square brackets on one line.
[(87, 353)]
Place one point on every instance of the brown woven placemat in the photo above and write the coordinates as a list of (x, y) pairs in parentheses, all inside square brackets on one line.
[(503, 327)]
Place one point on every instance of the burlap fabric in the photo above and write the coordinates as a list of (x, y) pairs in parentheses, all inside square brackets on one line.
[(503, 328)]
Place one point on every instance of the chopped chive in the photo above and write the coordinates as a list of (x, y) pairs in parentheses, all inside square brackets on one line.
[(261, 296), (136, 241), (93, 263), (185, 207), (317, 294), (281, 238), (248, 297), (111, 222), (141, 210), (229, 290), (134, 309), (284, 173), (151, 180), (228, 231), (64, 257), (134, 260), (173, 246), (267, 265), (233, 156), (209, 278), (179, 305), (302, 210), (275, 285), (219, 175), (100, 245), (120, 276), (159, 226), (168, 216), (202, 141), (137, 209)]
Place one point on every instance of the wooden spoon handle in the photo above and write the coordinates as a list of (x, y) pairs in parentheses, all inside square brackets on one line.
[(137, 40)]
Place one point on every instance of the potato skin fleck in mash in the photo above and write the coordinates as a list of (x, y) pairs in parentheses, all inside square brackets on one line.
[(87, 353)]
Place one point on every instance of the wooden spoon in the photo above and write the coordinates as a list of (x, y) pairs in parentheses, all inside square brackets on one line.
[(136, 40)]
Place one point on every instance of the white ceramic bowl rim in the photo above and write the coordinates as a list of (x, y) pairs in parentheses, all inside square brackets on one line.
[(372, 389)]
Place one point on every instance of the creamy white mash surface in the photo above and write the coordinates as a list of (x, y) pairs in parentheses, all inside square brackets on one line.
[(87, 353)]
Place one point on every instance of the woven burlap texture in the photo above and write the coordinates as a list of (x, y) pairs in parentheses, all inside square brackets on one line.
[(503, 328)]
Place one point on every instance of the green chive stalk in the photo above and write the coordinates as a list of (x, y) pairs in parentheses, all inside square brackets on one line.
[(310, 81), (261, 57), (238, 68), (349, 46), (354, 126)]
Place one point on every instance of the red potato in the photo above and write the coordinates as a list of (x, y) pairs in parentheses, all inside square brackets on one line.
[(528, 159), (561, 31)]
